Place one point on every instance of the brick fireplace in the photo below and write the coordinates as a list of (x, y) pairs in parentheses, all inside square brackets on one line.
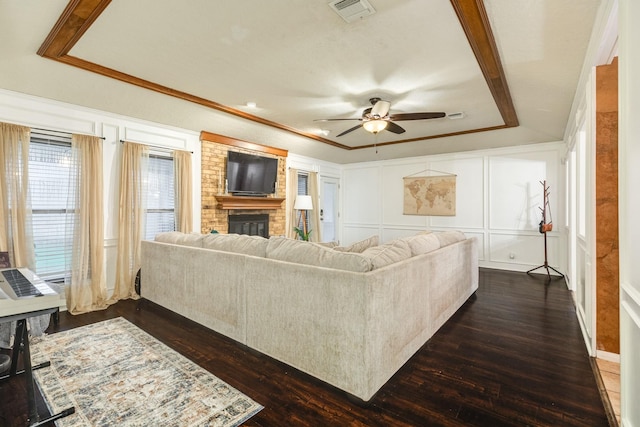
[(218, 207)]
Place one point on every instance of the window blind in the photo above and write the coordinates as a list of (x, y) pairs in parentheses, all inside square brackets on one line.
[(303, 180), (160, 216), (50, 164)]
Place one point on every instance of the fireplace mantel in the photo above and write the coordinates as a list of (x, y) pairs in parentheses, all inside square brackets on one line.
[(242, 202)]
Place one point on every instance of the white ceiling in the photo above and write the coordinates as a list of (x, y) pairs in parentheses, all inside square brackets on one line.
[(299, 61)]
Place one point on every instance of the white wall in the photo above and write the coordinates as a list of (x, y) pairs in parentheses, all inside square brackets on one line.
[(46, 114), (498, 200), (629, 178)]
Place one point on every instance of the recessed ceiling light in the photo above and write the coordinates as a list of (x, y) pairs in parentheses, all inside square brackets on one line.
[(251, 104), (323, 132)]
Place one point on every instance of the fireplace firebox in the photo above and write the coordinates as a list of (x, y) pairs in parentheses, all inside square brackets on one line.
[(253, 224)]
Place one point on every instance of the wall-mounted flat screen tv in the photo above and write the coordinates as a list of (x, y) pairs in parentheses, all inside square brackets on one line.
[(251, 175)]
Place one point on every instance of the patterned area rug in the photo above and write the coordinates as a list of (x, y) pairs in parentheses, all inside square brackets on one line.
[(118, 375)]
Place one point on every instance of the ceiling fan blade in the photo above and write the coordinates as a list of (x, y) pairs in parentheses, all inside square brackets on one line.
[(380, 108), (332, 120), (392, 127), (416, 116), (349, 130)]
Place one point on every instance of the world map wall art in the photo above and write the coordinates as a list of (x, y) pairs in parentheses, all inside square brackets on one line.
[(430, 195)]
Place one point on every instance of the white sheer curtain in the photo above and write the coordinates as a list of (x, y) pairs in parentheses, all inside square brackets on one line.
[(133, 190), (292, 192), (16, 235), (183, 191), (314, 215), (86, 288)]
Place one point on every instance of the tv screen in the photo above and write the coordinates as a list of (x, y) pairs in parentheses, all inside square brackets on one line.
[(248, 174)]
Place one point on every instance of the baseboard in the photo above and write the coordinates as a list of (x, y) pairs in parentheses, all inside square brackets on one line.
[(610, 357)]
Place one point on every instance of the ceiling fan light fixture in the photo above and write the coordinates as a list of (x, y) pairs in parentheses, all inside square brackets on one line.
[(375, 126)]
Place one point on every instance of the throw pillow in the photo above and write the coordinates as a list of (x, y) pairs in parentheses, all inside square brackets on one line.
[(388, 253), (422, 243), (301, 252), (360, 246)]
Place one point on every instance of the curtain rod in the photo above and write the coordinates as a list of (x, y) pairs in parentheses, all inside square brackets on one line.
[(122, 141), (66, 133)]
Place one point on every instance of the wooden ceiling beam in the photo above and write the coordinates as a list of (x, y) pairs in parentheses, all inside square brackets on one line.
[(475, 23), (75, 20), (79, 15)]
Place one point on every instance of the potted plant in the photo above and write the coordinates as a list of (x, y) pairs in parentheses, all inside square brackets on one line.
[(303, 234)]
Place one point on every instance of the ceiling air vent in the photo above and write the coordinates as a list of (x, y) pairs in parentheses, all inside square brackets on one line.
[(350, 10), (454, 116)]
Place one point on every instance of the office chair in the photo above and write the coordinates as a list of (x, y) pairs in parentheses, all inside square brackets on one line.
[(5, 363)]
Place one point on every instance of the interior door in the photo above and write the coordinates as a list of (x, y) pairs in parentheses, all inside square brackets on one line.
[(329, 216)]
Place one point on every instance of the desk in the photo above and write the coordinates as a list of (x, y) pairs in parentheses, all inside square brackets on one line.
[(21, 342), (11, 303)]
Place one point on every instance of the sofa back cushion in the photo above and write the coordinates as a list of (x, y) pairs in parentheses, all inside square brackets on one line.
[(179, 238), (422, 243), (327, 244), (360, 246), (447, 238), (237, 243), (301, 252), (389, 253)]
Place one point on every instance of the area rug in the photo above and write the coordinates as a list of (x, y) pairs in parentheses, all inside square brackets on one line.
[(115, 374)]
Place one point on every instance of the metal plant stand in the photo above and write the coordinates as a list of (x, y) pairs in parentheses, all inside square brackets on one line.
[(544, 228)]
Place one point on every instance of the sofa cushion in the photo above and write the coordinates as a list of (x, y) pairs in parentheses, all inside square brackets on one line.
[(327, 244), (422, 243), (179, 238), (237, 243), (389, 253), (360, 246), (449, 237), (301, 252)]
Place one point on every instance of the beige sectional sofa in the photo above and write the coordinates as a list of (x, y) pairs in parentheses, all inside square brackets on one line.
[(350, 316)]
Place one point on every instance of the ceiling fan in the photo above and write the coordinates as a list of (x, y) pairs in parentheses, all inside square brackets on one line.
[(377, 118)]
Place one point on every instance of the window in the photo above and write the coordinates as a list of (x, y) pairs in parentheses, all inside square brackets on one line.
[(50, 165), (303, 183), (303, 189), (160, 197), (582, 183)]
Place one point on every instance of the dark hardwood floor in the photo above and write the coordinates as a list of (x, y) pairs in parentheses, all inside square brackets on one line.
[(514, 356)]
